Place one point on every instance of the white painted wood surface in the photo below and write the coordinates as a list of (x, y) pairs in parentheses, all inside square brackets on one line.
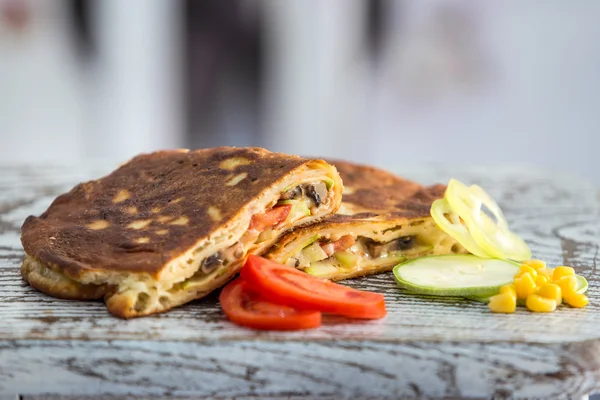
[(424, 348)]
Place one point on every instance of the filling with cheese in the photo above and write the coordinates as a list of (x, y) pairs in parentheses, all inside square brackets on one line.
[(335, 256), (294, 204)]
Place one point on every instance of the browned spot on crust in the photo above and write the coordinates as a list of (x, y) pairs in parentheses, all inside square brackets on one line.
[(234, 162), (98, 225), (347, 191), (131, 210), (214, 213), (142, 240), (139, 224), (121, 196), (162, 232), (183, 220), (236, 179)]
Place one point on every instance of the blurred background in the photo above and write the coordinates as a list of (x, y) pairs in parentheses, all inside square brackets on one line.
[(387, 82)]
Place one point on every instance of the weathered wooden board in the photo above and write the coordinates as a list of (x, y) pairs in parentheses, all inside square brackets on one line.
[(425, 348)]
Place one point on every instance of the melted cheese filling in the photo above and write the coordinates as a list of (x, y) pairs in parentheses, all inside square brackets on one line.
[(251, 239), (414, 240)]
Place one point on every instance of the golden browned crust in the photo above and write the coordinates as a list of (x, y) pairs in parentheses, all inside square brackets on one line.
[(375, 193), (126, 306), (168, 194), (138, 234), (56, 284)]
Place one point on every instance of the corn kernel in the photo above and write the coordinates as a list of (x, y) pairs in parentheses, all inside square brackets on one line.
[(508, 288), (568, 284), (535, 264), (503, 303), (541, 280), (577, 300), (562, 271), (547, 272), (537, 303), (526, 269), (524, 286), (551, 291)]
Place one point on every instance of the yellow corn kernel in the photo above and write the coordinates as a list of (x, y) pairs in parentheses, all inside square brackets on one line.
[(547, 272), (568, 284), (526, 269), (524, 286), (537, 303), (577, 300), (508, 288), (562, 271), (541, 280), (551, 291), (503, 303), (535, 264)]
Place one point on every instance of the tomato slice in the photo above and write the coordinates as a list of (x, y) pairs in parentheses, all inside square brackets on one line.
[(270, 218), (244, 306), (286, 285)]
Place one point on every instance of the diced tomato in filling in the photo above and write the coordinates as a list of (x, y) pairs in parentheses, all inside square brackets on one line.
[(341, 244), (270, 218)]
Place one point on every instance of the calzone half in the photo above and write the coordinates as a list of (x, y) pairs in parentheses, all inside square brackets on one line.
[(171, 226)]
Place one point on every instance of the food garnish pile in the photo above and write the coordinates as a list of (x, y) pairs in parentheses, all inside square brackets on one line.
[(499, 271), (542, 289)]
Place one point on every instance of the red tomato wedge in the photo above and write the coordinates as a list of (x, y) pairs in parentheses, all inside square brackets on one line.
[(270, 218), (281, 284), (246, 307), (341, 244)]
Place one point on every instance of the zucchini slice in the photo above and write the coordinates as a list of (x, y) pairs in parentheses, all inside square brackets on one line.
[(455, 275)]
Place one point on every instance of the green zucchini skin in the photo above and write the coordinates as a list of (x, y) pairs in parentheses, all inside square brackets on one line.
[(447, 262)]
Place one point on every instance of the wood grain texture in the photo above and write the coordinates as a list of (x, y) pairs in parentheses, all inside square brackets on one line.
[(425, 348)]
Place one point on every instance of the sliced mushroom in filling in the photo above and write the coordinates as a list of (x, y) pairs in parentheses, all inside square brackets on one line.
[(325, 256)]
